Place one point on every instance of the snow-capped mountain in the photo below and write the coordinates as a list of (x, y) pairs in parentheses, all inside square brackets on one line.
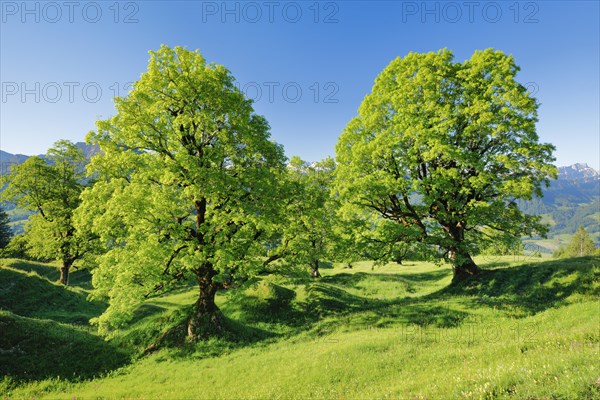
[(578, 172)]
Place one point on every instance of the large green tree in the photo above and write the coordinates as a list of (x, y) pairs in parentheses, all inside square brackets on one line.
[(6, 232), (187, 183), (440, 151), (51, 186)]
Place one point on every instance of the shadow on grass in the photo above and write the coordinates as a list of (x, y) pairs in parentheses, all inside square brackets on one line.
[(146, 310), (348, 279), (31, 295), (235, 335), (531, 288), (494, 264), (360, 312), (78, 277), (265, 302), (38, 349), (265, 311), (325, 265)]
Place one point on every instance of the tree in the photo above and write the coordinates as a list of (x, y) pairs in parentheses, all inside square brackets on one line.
[(18, 248), (187, 186), (309, 217), (51, 187), (5, 230), (441, 150), (580, 245)]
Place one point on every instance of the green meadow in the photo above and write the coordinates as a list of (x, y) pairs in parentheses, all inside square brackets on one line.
[(524, 329)]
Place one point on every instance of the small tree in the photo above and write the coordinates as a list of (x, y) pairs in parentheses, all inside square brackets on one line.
[(51, 186), (6, 232), (187, 186), (18, 248), (580, 245), (442, 150), (309, 217)]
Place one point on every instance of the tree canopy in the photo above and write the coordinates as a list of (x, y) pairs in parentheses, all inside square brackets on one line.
[(440, 151), (51, 187), (187, 187), (307, 228), (5, 230), (580, 245)]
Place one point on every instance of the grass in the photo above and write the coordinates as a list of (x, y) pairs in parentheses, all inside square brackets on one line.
[(33, 349), (526, 329), (29, 289), (45, 330)]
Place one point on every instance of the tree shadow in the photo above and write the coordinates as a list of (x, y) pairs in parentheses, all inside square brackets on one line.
[(428, 276), (145, 311), (325, 265), (78, 277), (255, 314), (353, 280), (325, 300), (31, 295), (264, 302), (38, 349), (235, 335), (531, 288)]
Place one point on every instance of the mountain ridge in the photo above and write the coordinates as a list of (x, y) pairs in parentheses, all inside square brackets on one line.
[(8, 159), (578, 171)]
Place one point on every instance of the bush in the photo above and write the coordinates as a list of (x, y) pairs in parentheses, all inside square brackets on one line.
[(266, 299)]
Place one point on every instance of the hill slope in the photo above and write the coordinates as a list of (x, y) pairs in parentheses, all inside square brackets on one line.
[(45, 330), (520, 331)]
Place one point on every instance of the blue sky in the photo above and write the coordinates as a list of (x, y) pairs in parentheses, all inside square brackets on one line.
[(307, 64)]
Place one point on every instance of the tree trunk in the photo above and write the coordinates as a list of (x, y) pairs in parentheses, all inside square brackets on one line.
[(462, 265), (64, 272), (206, 319), (314, 270)]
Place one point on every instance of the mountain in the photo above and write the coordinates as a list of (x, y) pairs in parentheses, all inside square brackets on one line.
[(576, 184), (578, 172), (571, 201), (8, 159), (87, 150)]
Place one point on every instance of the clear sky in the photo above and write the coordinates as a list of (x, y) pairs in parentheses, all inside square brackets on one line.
[(307, 64)]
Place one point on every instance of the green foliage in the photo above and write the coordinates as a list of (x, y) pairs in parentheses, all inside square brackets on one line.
[(18, 217), (580, 245), (187, 184), (306, 228), (51, 188), (5, 230), (499, 243), (19, 247), (440, 150)]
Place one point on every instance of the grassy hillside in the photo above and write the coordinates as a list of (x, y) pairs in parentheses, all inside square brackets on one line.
[(522, 330), (29, 289), (44, 326), (38, 348)]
